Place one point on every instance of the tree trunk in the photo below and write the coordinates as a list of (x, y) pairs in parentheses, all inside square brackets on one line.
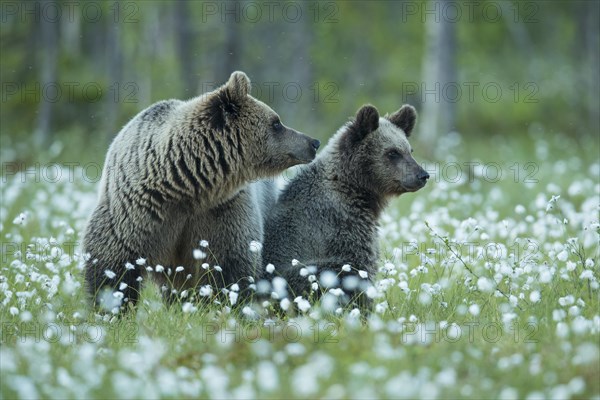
[(232, 48), (48, 74), (589, 54), (185, 47), (438, 115), (115, 89)]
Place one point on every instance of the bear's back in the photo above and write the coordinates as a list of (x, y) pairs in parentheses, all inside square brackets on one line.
[(135, 144), (148, 121), (304, 219)]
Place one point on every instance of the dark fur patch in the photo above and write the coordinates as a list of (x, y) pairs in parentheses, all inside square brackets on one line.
[(156, 114), (154, 194), (177, 180), (405, 118), (214, 114), (200, 172), (240, 146), (222, 160), (187, 174)]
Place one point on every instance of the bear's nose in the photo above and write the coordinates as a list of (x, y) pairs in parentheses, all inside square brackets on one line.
[(315, 144), (423, 176)]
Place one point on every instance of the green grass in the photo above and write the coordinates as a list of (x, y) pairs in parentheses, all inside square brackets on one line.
[(505, 306)]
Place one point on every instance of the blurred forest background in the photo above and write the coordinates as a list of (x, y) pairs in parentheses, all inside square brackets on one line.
[(73, 73)]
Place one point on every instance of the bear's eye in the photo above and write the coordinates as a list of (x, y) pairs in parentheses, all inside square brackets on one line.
[(277, 126), (394, 155)]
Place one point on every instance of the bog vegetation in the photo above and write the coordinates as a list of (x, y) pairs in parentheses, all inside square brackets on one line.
[(487, 287)]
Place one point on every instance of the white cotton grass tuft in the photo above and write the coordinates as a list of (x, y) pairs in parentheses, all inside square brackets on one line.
[(351, 282), (20, 219), (285, 304), (270, 268), (205, 291), (110, 274), (485, 285), (303, 304), (279, 287), (140, 261), (159, 268), (474, 309), (203, 243), (255, 246), (233, 297), (328, 279), (198, 254), (189, 308), (249, 312), (587, 275), (535, 296), (109, 300), (563, 255)]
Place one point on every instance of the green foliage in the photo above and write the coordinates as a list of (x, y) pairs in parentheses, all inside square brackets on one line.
[(438, 329), (538, 53)]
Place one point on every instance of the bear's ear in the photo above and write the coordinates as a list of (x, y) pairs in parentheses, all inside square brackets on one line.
[(226, 101), (404, 118), (367, 121), (238, 87)]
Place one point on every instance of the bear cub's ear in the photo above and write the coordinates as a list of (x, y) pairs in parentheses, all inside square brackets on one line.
[(367, 119), (404, 118), (238, 86)]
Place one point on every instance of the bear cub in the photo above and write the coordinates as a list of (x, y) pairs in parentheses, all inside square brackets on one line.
[(182, 172), (327, 216)]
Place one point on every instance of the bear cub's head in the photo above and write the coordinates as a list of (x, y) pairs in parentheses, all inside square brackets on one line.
[(268, 146), (377, 153)]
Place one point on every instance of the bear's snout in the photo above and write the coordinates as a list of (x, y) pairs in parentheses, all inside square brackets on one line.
[(315, 144), (423, 176)]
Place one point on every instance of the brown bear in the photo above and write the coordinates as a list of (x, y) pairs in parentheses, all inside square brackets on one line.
[(327, 216), (184, 171)]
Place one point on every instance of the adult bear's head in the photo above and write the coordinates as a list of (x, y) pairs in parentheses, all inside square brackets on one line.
[(249, 133)]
